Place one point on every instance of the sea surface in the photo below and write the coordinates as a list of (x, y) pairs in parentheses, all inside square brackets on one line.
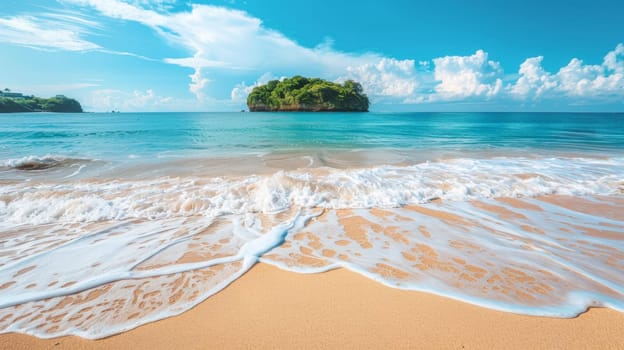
[(110, 221)]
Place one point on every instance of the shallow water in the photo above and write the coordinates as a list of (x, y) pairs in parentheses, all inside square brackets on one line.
[(109, 221)]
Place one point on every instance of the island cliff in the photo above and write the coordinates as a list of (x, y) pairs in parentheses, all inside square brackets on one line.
[(300, 94), (16, 103)]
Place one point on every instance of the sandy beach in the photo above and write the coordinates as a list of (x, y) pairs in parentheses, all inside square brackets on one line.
[(273, 309), (186, 174)]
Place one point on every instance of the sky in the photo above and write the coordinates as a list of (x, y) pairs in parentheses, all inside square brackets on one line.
[(194, 55)]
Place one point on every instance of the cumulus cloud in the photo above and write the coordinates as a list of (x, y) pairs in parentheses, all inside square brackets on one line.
[(149, 100), (242, 90), (220, 41), (112, 99), (386, 77), (383, 77), (55, 32), (198, 82), (533, 80), (576, 79), (462, 77), (614, 60)]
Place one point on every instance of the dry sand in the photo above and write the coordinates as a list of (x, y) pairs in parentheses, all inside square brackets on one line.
[(273, 309)]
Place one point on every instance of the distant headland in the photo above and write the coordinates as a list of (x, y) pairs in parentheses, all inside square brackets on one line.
[(300, 94), (15, 102)]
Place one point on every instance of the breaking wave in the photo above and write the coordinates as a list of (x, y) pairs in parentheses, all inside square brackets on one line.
[(102, 255)]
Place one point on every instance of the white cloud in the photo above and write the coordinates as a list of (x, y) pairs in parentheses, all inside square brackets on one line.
[(161, 5), (104, 100), (62, 30), (576, 79), (198, 83), (222, 38), (46, 33), (111, 99), (533, 80), (462, 77), (222, 41), (386, 77), (122, 10), (614, 60), (242, 90), (55, 89)]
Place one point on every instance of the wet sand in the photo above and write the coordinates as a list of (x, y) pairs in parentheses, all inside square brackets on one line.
[(272, 309)]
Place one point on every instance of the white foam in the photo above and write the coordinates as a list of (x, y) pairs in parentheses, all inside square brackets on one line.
[(93, 258), (112, 258), (558, 270), (385, 186), (47, 159)]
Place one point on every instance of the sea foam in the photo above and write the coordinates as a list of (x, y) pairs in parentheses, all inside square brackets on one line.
[(383, 186), (539, 236)]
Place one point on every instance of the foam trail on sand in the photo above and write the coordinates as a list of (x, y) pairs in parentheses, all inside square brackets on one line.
[(97, 256), (524, 256), (138, 272)]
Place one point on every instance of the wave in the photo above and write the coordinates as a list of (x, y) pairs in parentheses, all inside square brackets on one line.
[(375, 187), (525, 256), (102, 256), (30, 163)]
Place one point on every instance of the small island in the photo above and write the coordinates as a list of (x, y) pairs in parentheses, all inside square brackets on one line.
[(300, 94), (15, 102)]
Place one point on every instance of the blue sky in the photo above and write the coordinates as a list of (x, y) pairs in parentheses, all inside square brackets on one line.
[(194, 55)]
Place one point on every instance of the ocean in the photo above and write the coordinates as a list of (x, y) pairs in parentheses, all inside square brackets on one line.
[(110, 221)]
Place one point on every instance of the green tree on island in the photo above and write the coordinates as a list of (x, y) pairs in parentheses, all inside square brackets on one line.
[(309, 95)]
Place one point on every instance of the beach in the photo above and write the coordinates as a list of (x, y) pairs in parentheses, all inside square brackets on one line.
[(272, 309), (311, 175), (209, 235)]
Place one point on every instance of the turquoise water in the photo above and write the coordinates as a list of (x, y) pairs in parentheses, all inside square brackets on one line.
[(150, 135), (111, 221)]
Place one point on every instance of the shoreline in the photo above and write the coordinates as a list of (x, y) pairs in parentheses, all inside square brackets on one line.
[(272, 308)]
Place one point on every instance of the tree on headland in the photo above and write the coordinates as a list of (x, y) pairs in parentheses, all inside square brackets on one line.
[(59, 104), (308, 94), (7, 90), (8, 105)]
